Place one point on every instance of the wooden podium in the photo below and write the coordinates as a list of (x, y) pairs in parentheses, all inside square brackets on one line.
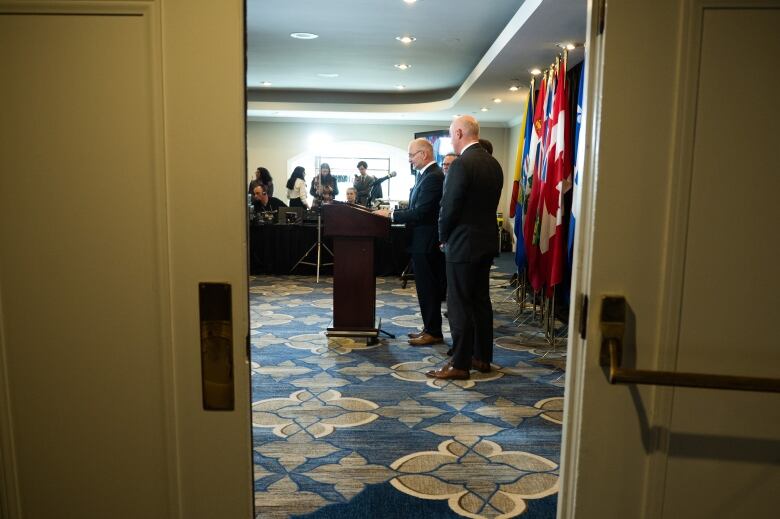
[(353, 229)]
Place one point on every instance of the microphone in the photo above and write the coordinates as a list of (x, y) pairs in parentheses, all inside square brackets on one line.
[(380, 180)]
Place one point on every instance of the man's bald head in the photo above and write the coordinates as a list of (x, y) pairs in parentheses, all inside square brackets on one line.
[(463, 131), (420, 153)]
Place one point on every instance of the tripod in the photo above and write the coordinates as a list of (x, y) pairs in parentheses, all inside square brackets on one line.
[(319, 245)]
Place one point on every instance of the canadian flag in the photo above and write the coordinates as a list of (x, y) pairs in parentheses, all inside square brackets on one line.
[(552, 242)]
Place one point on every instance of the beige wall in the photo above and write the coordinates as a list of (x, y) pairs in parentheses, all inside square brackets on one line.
[(271, 144)]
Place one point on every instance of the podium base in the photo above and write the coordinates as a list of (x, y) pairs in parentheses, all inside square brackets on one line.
[(371, 334)]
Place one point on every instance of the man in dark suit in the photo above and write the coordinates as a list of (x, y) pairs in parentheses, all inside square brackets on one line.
[(469, 236), (421, 221)]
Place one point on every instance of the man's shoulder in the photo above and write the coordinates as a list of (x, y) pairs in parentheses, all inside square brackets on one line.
[(435, 171)]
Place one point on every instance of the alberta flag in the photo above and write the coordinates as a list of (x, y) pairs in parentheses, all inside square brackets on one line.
[(521, 195)]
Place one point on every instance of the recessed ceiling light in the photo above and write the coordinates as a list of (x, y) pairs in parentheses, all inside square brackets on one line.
[(483, 109), (265, 84), (303, 35), (514, 88), (406, 39), (400, 87), (497, 100), (402, 66), (328, 75), (410, 1), (570, 46), (535, 71)]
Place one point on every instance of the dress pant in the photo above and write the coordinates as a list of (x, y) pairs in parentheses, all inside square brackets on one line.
[(427, 279), (470, 311)]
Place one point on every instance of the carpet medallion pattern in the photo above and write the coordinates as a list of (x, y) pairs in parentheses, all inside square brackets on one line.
[(344, 429)]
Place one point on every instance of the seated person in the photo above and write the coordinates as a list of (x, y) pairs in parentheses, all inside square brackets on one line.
[(263, 203), (351, 195), (262, 178)]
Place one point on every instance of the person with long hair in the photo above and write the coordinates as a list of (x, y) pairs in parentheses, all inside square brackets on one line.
[(296, 188), (262, 178), (324, 187)]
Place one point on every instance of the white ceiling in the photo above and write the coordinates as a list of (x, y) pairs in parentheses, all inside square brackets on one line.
[(466, 54)]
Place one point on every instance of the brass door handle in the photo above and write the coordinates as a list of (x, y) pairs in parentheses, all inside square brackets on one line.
[(613, 324)]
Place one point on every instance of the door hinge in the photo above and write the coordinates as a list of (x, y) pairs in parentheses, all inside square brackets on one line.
[(583, 326)]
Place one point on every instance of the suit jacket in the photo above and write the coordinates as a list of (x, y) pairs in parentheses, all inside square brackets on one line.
[(423, 213), (467, 220)]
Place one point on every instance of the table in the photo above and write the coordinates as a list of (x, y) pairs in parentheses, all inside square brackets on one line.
[(275, 249)]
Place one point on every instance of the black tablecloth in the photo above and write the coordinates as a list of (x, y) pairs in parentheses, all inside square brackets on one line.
[(275, 249)]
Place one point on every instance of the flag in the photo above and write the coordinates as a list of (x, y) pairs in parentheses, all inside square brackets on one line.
[(519, 197), (535, 165), (556, 182), (518, 167), (579, 163)]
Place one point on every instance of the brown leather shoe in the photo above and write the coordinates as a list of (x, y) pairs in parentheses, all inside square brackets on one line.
[(480, 365), (415, 335), (447, 372), (426, 339)]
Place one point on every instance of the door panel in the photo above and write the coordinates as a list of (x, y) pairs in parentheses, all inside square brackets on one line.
[(101, 357), (678, 201), (727, 442)]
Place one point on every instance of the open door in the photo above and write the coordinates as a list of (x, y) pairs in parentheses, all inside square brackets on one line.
[(122, 158), (680, 218)]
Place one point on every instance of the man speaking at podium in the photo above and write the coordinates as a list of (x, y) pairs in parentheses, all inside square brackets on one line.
[(421, 219)]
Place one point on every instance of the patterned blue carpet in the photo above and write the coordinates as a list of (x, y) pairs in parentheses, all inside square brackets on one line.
[(343, 429)]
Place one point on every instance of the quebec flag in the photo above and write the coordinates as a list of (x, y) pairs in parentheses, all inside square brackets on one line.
[(579, 162)]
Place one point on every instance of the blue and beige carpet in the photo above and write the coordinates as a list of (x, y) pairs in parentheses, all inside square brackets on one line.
[(346, 430)]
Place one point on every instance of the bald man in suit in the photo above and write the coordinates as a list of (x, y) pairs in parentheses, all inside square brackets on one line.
[(421, 219), (469, 236)]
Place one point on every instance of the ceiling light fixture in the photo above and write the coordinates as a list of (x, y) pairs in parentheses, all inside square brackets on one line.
[(497, 100), (328, 74), (303, 35), (410, 1), (265, 84), (402, 66), (406, 39), (535, 71), (483, 109), (514, 88)]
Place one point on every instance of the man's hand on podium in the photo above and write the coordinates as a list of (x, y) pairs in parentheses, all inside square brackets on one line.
[(382, 212)]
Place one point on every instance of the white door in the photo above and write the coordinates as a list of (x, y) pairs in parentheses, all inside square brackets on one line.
[(680, 202), (122, 162)]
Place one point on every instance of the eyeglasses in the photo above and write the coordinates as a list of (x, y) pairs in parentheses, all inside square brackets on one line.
[(411, 155)]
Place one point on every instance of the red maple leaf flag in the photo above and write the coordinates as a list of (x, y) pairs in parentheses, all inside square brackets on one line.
[(552, 242)]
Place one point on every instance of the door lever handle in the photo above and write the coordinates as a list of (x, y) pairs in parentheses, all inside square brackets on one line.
[(613, 327)]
